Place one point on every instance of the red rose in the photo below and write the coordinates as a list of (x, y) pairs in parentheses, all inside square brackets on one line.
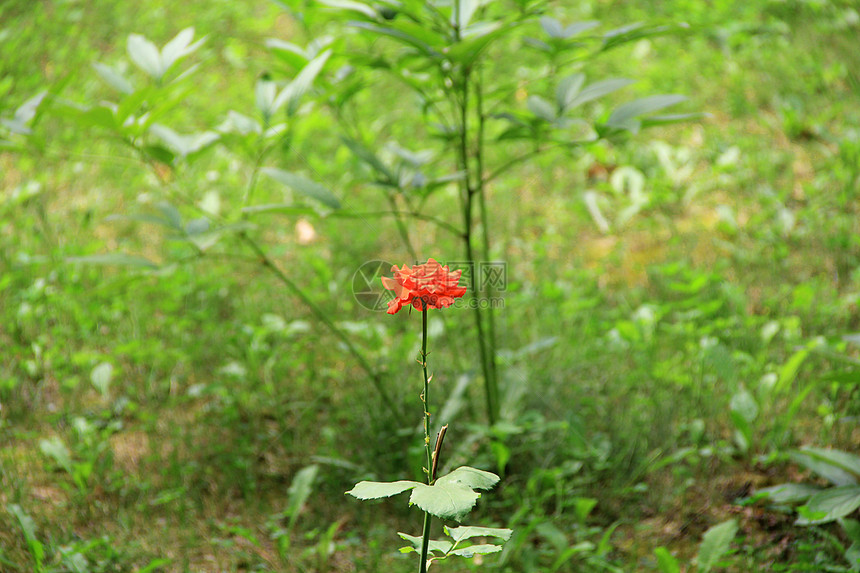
[(430, 285)]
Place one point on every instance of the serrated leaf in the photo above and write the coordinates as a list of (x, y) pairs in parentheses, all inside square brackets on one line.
[(789, 492), (442, 547), (468, 531), (118, 259), (304, 186), (598, 90), (831, 504), (472, 550), (113, 78), (376, 489), (630, 110), (446, 500), (452, 496), (145, 55), (715, 544), (471, 477)]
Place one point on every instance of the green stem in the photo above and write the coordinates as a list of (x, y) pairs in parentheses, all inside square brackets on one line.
[(493, 385), (425, 544), (469, 192)]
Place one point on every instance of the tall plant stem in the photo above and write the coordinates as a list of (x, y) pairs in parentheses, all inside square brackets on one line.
[(467, 197), (375, 378), (481, 191), (425, 397)]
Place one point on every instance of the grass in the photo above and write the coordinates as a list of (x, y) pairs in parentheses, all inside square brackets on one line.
[(621, 351)]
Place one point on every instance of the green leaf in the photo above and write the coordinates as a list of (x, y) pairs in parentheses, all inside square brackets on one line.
[(827, 465), (352, 6), (598, 90), (402, 36), (300, 85), (623, 114), (304, 186), (57, 450), (541, 108), (715, 544), (177, 48), (452, 496), (376, 490), (851, 528), (789, 492), (145, 55), (442, 547), (789, 370), (113, 78), (118, 259), (831, 504), (464, 14), (446, 500), (300, 489), (472, 550), (101, 376), (28, 528), (183, 145), (852, 555), (666, 562), (468, 531), (471, 477), (567, 90)]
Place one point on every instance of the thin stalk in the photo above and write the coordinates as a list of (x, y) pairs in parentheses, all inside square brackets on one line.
[(425, 397), (320, 315), (490, 391), (481, 191)]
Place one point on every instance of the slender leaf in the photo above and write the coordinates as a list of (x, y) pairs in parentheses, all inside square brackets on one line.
[(300, 490), (304, 186), (789, 492), (118, 259), (625, 112), (598, 90), (113, 78)]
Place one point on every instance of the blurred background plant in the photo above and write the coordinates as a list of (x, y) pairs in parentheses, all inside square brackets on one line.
[(675, 311)]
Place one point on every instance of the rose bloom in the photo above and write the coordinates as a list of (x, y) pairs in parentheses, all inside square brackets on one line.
[(430, 284)]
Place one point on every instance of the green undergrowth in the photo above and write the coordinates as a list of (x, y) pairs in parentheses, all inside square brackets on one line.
[(659, 357)]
